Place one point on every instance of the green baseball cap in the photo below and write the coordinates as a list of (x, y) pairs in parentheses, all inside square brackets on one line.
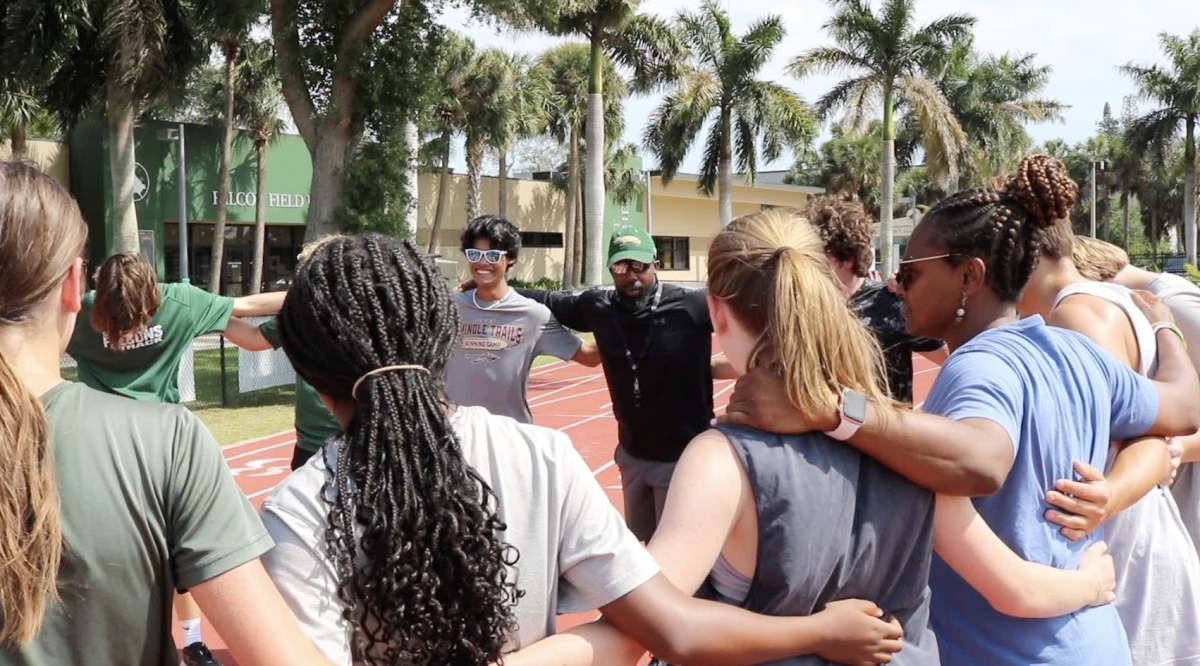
[(631, 243)]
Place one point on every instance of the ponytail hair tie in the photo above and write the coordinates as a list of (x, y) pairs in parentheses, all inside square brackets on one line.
[(386, 368)]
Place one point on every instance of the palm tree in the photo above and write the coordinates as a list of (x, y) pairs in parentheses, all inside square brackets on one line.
[(720, 86), (257, 111), (121, 54), (524, 95), (1177, 90), (19, 109), (232, 30), (487, 116), (454, 65), (888, 54), (993, 99), (640, 42), (567, 69)]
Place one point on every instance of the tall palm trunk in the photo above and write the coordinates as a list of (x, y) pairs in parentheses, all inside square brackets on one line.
[(218, 245), (1189, 191), (888, 186), (569, 249), (1125, 216), (725, 168), (502, 204), (412, 145), (260, 216), (20, 142), (443, 194), (474, 195), (121, 117), (580, 233), (594, 198), (1153, 231)]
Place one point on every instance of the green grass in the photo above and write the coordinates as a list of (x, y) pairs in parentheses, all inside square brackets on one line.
[(230, 426)]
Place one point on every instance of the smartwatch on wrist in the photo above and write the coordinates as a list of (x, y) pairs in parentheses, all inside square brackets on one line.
[(854, 414)]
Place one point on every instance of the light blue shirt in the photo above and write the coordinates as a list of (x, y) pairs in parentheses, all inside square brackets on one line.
[(1060, 398)]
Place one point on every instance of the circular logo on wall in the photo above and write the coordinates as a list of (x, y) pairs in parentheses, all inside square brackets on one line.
[(141, 182)]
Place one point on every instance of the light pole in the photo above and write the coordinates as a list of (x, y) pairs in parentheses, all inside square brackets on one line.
[(1093, 223), (177, 136)]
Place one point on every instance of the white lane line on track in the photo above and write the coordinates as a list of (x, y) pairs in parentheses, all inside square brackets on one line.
[(548, 368), (547, 394), (568, 379), (570, 397), (603, 467), (256, 440), (933, 369), (256, 451)]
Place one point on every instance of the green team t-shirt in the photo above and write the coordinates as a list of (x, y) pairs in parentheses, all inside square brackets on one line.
[(314, 423), (148, 367), (148, 507)]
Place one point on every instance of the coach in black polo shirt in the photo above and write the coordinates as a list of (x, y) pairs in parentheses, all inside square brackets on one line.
[(655, 343)]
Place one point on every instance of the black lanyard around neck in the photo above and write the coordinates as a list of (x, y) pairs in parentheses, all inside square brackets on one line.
[(633, 365)]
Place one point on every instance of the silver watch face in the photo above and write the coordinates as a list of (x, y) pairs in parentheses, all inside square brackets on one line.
[(854, 406)]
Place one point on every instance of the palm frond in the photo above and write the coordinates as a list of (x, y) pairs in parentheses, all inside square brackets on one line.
[(678, 119), (710, 165), (650, 48), (745, 147), (942, 135), (828, 60), (755, 48)]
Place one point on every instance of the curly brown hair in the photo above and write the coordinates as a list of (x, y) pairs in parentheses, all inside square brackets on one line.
[(846, 230), (127, 297)]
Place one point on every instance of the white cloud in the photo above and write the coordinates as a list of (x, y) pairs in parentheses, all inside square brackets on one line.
[(1083, 40)]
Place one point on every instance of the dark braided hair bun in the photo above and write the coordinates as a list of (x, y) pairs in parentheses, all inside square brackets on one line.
[(1043, 187), (412, 528)]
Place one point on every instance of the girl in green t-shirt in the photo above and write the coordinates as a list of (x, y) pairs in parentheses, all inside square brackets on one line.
[(110, 503)]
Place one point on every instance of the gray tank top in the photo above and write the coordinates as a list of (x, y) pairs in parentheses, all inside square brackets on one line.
[(834, 524)]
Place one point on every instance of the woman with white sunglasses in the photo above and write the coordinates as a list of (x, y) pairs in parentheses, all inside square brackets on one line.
[(502, 332)]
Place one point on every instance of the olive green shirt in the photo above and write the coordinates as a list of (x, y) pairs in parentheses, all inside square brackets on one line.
[(314, 423), (148, 507), (148, 366)]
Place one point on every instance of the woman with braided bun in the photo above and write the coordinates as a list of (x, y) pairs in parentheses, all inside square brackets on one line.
[(1015, 405), (1158, 573), (399, 544)]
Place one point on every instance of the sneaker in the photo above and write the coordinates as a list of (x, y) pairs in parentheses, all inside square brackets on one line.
[(197, 654)]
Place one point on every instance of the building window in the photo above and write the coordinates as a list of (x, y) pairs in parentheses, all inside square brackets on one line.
[(672, 252), (541, 239)]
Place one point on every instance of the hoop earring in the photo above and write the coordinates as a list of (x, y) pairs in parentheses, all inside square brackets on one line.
[(961, 311)]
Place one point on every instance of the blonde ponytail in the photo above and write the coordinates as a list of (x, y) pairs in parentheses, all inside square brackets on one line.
[(771, 269)]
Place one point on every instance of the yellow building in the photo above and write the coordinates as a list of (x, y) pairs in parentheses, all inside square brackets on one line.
[(50, 156), (681, 220)]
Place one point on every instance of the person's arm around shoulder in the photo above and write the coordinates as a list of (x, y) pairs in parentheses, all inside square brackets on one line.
[(1012, 585), (245, 335), (569, 308), (259, 305), (968, 454), (556, 340)]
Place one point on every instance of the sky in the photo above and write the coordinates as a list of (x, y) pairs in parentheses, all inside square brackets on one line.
[(1083, 40)]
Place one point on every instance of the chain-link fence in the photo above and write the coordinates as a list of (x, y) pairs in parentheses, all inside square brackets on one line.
[(216, 373)]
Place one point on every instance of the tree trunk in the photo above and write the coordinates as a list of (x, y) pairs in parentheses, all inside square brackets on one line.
[(20, 143), (594, 197), (443, 194), (569, 249), (328, 181), (121, 163), (952, 186), (580, 233), (1125, 217), (1189, 191), (1153, 232), (412, 144), (888, 186), (215, 272), (725, 168), (502, 208), (474, 195), (260, 217)]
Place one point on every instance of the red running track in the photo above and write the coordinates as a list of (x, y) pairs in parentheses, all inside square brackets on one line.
[(564, 396)]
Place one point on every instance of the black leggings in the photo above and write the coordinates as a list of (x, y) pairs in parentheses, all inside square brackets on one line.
[(300, 457)]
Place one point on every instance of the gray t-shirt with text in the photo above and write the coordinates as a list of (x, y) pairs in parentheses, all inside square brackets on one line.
[(497, 342)]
